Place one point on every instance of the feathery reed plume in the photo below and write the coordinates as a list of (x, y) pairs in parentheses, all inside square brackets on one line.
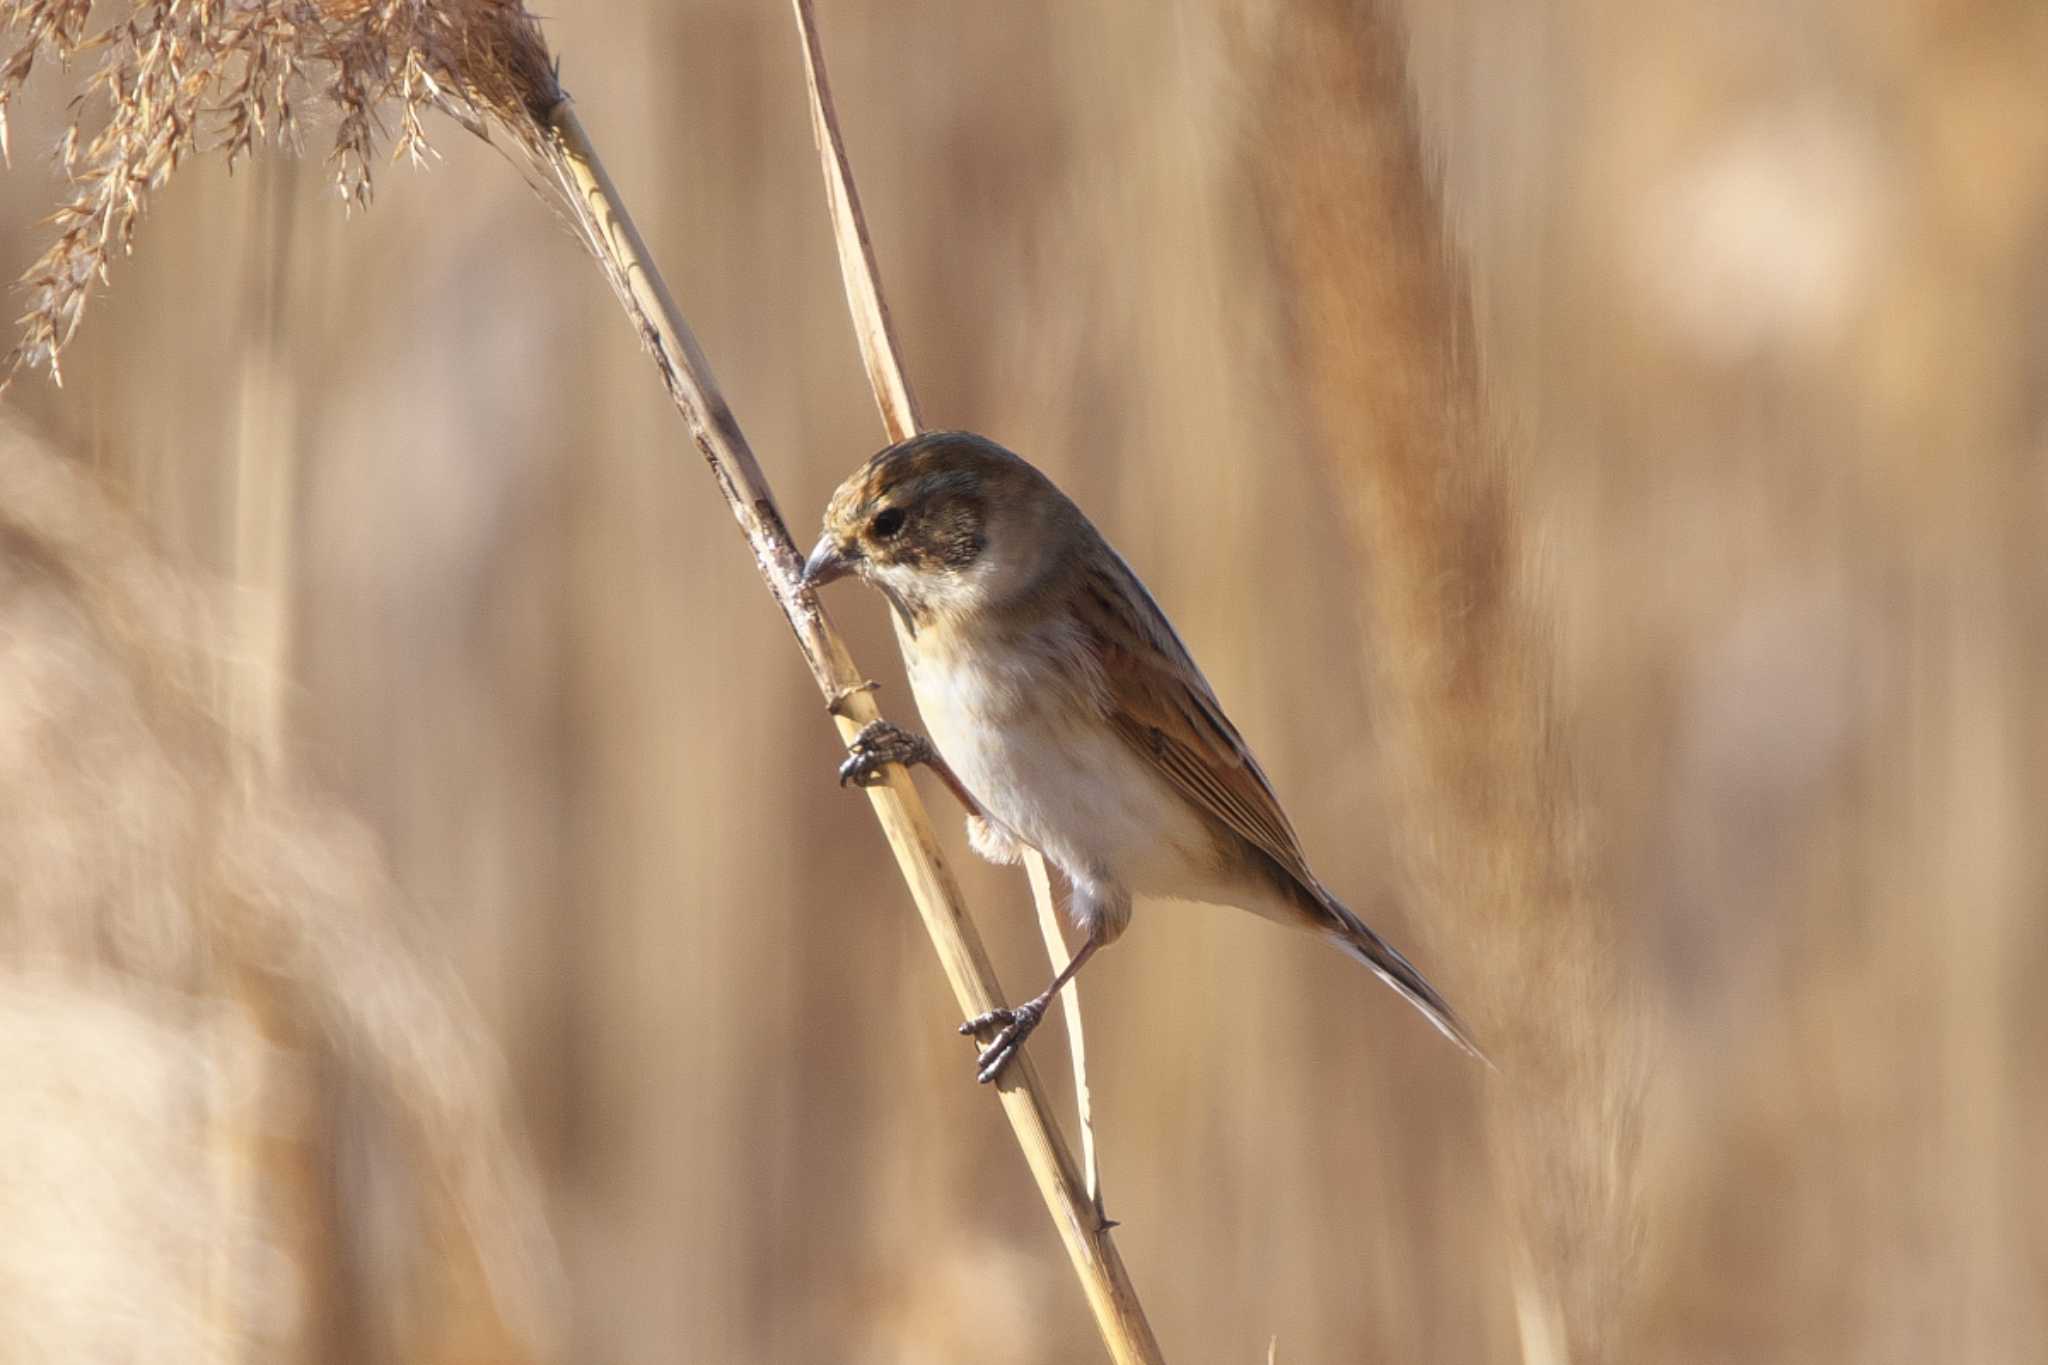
[(166, 887), (1478, 758), (181, 77)]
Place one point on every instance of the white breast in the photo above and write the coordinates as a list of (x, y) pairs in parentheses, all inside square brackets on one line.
[(1047, 765)]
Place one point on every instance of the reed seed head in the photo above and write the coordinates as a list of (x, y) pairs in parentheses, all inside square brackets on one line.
[(177, 77)]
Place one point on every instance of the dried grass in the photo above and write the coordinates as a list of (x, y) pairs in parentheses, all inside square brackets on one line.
[(1464, 646), (173, 908)]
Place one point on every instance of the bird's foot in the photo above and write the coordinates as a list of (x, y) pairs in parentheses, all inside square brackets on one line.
[(1012, 1026), (878, 745)]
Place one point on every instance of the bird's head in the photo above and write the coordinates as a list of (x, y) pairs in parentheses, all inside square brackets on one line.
[(946, 525)]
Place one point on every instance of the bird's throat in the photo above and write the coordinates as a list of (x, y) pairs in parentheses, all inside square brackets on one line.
[(904, 616)]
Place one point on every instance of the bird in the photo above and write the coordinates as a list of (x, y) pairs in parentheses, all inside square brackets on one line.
[(1066, 714)]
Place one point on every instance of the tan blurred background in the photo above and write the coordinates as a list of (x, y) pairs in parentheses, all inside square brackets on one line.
[(1761, 318)]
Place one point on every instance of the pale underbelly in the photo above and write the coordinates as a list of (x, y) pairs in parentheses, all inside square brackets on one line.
[(1074, 790)]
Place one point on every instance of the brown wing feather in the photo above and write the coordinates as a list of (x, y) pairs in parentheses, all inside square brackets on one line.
[(1161, 704), (1164, 708)]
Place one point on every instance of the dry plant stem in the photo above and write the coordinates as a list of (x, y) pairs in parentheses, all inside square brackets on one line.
[(877, 335), (1070, 1001), (901, 419), (895, 801)]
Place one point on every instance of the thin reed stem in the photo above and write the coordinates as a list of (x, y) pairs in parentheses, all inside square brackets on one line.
[(611, 233), (1047, 905), (901, 418)]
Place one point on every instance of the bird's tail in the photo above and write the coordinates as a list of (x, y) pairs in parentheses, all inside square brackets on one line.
[(1354, 937)]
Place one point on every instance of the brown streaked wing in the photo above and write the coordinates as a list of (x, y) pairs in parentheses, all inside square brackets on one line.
[(1163, 707)]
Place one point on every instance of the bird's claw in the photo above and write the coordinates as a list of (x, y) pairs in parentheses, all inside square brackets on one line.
[(1012, 1026), (878, 745)]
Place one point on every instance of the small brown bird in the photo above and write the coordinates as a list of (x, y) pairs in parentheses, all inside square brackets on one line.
[(1066, 713)]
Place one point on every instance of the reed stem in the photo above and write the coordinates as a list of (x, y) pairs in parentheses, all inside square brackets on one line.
[(883, 360), (897, 807)]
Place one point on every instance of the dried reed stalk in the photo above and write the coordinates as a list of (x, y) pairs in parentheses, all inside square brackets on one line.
[(610, 228), (901, 419)]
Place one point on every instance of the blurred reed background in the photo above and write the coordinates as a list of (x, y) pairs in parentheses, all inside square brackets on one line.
[(1687, 688)]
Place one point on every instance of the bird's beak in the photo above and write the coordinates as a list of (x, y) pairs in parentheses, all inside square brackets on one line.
[(828, 562)]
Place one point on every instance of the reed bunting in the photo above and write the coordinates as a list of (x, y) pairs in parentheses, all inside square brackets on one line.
[(1065, 712)]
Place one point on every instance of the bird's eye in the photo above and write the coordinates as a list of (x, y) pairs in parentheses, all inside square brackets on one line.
[(887, 522)]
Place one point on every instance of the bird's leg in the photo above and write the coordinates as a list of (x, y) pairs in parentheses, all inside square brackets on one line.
[(883, 742), (1013, 1024)]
